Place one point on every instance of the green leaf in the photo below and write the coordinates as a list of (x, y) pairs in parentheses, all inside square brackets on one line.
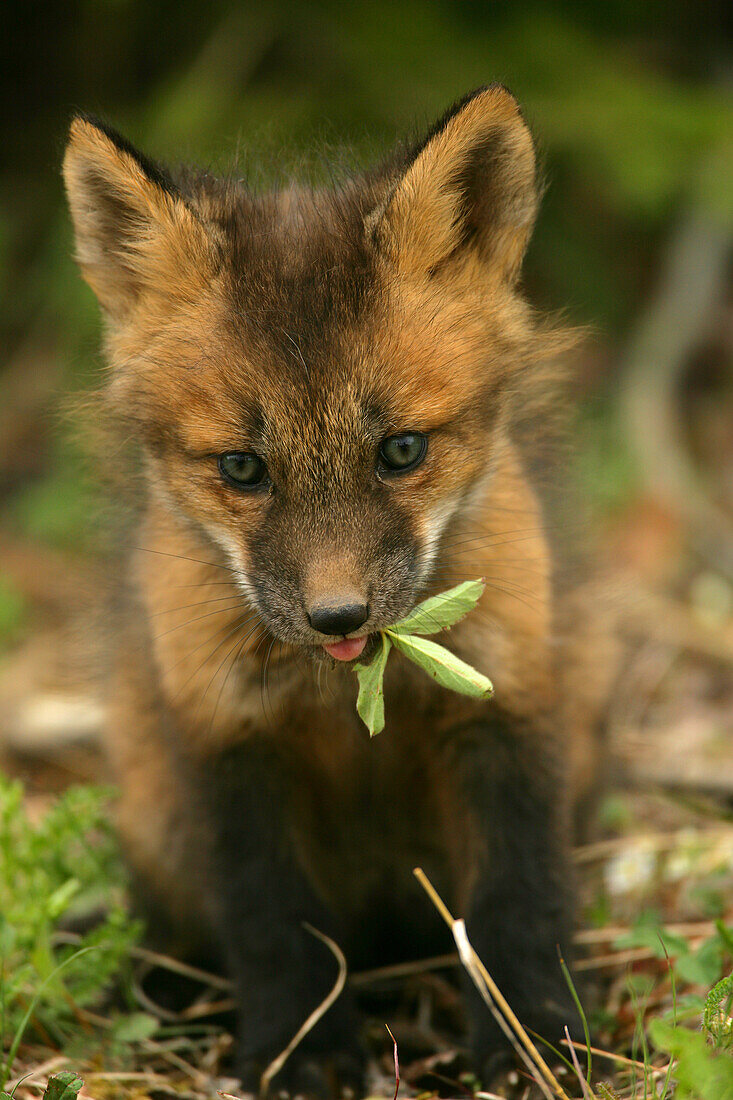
[(61, 898), (135, 1027), (654, 938), (370, 703), (716, 1020), (689, 1006), (432, 615), (63, 1086), (701, 1073), (447, 669), (726, 936), (439, 612), (704, 965)]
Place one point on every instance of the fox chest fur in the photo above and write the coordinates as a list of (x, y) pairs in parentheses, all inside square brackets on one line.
[(324, 389)]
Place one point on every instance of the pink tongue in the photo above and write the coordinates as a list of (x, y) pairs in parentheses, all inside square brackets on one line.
[(347, 649)]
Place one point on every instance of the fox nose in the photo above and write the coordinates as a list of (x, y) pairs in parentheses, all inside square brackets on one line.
[(338, 618)]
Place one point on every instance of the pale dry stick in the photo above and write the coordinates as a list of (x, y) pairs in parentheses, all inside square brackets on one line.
[(469, 958), (584, 937), (404, 970), (181, 968), (141, 997), (207, 1008), (40, 1071), (611, 1057), (476, 967), (584, 1086), (277, 1064), (164, 961), (170, 1056), (120, 1075), (590, 936), (656, 842), (620, 958)]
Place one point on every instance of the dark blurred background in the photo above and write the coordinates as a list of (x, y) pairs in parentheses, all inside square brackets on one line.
[(632, 106)]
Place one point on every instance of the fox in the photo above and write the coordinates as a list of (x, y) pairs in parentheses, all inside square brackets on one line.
[(335, 397)]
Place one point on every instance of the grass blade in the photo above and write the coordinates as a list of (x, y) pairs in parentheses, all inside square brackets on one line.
[(18, 1037)]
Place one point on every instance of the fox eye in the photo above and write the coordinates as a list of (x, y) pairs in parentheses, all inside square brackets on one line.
[(243, 469), (399, 453)]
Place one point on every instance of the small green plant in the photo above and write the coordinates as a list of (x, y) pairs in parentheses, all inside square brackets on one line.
[(429, 617), (64, 866), (702, 1070), (717, 1017), (701, 965), (61, 1086), (696, 1034)]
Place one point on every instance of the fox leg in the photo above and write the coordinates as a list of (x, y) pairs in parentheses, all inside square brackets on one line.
[(280, 970), (518, 900)]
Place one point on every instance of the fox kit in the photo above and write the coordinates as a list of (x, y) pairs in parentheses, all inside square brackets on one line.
[(325, 388)]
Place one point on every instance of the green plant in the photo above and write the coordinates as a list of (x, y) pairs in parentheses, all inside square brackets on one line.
[(61, 1086), (429, 617), (700, 965), (701, 1070), (62, 868), (716, 1017), (696, 1034)]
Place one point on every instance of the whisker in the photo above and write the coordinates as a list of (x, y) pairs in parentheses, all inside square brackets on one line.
[(197, 603), (180, 557), (533, 603), (507, 582), (229, 671), (241, 644), (205, 584), (226, 678), (495, 538), (243, 641), (190, 622), (509, 563), (263, 685), (501, 537), (239, 625), (491, 541)]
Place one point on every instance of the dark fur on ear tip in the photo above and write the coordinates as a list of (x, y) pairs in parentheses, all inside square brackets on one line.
[(414, 149), (156, 173)]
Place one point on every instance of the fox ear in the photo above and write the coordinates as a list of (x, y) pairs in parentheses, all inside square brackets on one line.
[(468, 188), (134, 230)]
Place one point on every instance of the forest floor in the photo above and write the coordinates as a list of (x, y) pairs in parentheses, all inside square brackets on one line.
[(655, 928)]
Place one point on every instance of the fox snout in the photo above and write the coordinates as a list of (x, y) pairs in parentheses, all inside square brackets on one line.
[(335, 596), (338, 614)]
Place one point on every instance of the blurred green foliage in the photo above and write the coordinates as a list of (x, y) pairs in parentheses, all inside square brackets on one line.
[(12, 612), (629, 103), (61, 868)]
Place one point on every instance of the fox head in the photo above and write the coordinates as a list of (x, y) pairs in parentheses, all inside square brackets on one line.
[(318, 379)]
